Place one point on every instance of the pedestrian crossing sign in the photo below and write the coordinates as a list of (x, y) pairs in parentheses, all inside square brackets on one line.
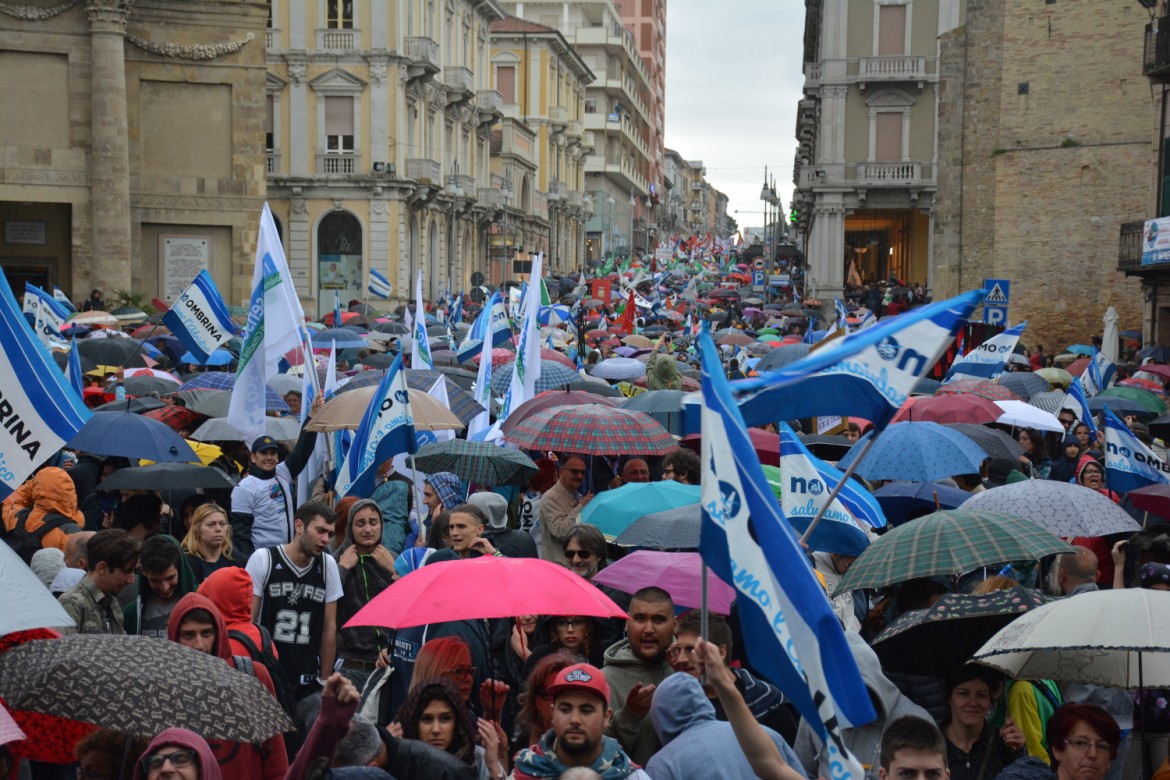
[(998, 291)]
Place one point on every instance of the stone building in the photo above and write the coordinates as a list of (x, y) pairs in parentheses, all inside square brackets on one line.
[(646, 20), (131, 144), (1044, 153)]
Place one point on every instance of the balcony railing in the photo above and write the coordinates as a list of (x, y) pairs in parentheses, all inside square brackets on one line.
[(696, 185), (337, 163), (1129, 246), (891, 69), (272, 38), (889, 172), (424, 170), (459, 79), (558, 115), (339, 40), (491, 197), (1156, 60), (273, 163), (575, 129), (490, 103), (423, 51), (465, 183)]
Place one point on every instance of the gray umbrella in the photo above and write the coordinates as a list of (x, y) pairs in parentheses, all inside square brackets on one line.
[(166, 476), (665, 406), (1062, 508), (673, 529), (996, 443), (782, 356), (1049, 400), (1025, 384)]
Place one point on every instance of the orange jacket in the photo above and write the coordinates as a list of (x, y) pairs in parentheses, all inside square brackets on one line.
[(50, 491)]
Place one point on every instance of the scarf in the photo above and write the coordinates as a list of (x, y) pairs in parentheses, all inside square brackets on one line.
[(540, 761)]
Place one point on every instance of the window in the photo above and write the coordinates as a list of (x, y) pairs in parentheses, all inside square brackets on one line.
[(891, 31), (270, 125), (339, 125), (339, 15), (590, 105), (506, 83), (888, 128)]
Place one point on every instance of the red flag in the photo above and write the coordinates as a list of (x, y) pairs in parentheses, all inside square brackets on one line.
[(627, 320)]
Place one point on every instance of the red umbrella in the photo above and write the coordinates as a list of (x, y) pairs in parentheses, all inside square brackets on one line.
[(559, 357), (548, 399), (145, 331), (174, 417), (1078, 366), (346, 316), (1153, 368), (454, 590), (1154, 499), (592, 429), (766, 445), (980, 387), (500, 357), (1144, 384), (596, 333), (964, 408)]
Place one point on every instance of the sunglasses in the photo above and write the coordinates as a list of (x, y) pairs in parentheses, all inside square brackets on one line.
[(582, 554), (179, 759)]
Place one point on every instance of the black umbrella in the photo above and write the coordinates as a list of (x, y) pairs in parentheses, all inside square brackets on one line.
[(996, 443), (167, 476), (62, 359), (136, 405), (112, 352), (827, 447)]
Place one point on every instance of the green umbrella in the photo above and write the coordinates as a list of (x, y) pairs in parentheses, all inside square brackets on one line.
[(478, 462), (952, 541), (1150, 402)]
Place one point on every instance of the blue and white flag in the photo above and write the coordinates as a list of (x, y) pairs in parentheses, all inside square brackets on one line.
[(526, 366), (199, 318), (1077, 402), (39, 413), (456, 311), (791, 633), (493, 319), (987, 360), (842, 315), (60, 297), (805, 491), (1130, 464), (420, 355), (379, 286), (73, 370), (869, 373), (1099, 375), (48, 315), (387, 429), (276, 326)]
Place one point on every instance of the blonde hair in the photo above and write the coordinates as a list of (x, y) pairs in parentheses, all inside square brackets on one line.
[(191, 543), (993, 584)]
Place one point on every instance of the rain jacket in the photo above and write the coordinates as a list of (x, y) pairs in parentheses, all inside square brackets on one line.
[(50, 491), (359, 585), (662, 373), (684, 720), (864, 742), (237, 760), (540, 761), (182, 738), (230, 590), (623, 670), (132, 612)]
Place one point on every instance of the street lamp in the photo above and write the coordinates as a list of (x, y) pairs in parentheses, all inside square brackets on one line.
[(633, 208), (454, 192)]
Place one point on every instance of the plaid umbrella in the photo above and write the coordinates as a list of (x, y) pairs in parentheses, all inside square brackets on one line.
[(139, 686), (980, 387), (478, 462), (222, 380), (174, 417), (1061, 508), (940, 639), (593, 429), (952, 541), (673, 529), (1025, 384), (548, 399), (552, 375), (996, 443)]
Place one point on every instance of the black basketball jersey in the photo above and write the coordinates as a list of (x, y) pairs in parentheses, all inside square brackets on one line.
[(293, 610)]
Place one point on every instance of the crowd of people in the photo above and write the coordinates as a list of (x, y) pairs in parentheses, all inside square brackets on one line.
[(268, 579)]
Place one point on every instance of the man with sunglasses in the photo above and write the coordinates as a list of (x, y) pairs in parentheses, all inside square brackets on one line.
[(560, 508)]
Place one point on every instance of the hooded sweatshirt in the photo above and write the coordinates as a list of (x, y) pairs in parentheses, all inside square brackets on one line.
[(623, 670), (359, 585), (132, 612), (230, 590), (237, 760), (684, 720), (182, 738), (49, 492), (863, 741), (541, 761)]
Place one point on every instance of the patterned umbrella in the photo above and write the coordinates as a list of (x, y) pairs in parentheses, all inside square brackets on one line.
[(550, 398), (1060, 508), (952, 541), (1025, 384), (552, 375), (996, 443), (174, 417), (618, 369), (980, 387), (1049, 401), (222, 380), (478, 462), (936, 640), (917, 451), (593, 429)]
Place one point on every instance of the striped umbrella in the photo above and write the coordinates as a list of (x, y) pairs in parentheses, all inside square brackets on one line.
[(593, 429), (477, 462), (619, 369), (222, 380), (552, 376)]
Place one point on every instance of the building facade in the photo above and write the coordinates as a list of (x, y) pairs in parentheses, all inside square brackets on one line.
[(131, 145), (866, 130), (379, 129), (646, 20)]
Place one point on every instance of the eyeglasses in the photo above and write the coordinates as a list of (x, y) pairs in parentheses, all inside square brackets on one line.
[(1082, 745), (179, 759), (575, 472), (567, 623), (461, 672), (582, 554)]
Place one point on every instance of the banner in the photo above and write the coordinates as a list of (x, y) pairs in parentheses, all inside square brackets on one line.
[(39, 412), (387, 429), (60, 297), (493, 319), (48, 315), (1156, 241), (987, 360), (1130, 464), (1099, 374), (379, 286), (805, 491), (73, 370), (420, 355), (1077, 402), (199, 318), (526, 366)]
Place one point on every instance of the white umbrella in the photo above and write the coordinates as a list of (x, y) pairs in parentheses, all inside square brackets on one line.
[(219, 429), (1115, 638), (1109, 339), (28, 603), (619, 368), (1060, 508), (1024, 415)]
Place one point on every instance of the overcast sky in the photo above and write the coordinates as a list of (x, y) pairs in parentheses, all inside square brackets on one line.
[(733, 77)]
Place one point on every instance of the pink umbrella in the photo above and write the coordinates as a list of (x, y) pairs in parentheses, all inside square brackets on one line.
[(455, 590), (500, 356), (559, 357), (677, 573)]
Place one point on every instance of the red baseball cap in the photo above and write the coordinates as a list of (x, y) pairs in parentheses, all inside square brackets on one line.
[(581, 677)]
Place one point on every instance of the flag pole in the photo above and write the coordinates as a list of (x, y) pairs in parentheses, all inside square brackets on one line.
[(837, 489)]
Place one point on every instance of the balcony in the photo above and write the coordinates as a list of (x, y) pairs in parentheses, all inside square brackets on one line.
[(1156, 59), (871, 69), (588, 142), (558, 116), (1129, 246), (424, 171), (623, 172), (339, 40), (491, 197), (490, 105), (272, 38), (696, 185), (895, 173), (273, 163), (465, 183), (337, 164), (618, 38), (459, 82), (424, 58), (575, 129)]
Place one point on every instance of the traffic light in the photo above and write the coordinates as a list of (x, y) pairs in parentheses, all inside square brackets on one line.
[(793, 216)]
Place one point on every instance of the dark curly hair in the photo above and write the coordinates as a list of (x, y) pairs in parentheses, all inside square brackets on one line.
[(440, 689)]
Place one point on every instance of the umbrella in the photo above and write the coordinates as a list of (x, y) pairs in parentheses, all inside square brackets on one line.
[(210, 403), (1023, 415), (618, 369), (219, 357), (592, 429), (9, 730), (1025, 384), (132, 436), (460, 401), (147, 384), (1119, 406), (940, 639), (476, 462), (637, 340), (1152, 498), (766, 445), (952, 541), (825, 446), (139, 686), (550, 398), (917, 451), (94, 318), (219, 429), (782, 356), (594, 387), (167, 476), (965, 408), (1150, 402), (1050, 401), (1079, 349), (1159, 353), (1109, 339), (616, 510), (284, 384), (174, 417), (899, 499), (980, 387), (737, 339), (926, 386), (342, 338), (1056, 377), (673, 529), (29, 603), (1114, 638), (677, 573), (111, 352), (996, 443), (222, 380), (344, 412), (665, 406), (455, 590), (552, 375), (1062, 508), (135, 405)]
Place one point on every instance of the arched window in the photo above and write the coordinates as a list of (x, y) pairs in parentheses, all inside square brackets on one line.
[(340, 268)]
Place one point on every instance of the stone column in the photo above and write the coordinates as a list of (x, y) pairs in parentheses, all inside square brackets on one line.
[(109, 146), (826, 249)]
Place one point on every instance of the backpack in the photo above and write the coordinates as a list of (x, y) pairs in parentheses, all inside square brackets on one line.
[(264, 655), (25, 543)]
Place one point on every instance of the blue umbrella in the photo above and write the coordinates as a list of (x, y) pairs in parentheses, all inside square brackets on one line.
[(552, 376), (616, 510), (916, 451), (1079, 349), (551, 315), (1159, 353), (899, 499), (1117, 405), (339, 337), (132, 436), (219, 357), (222, 380)]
